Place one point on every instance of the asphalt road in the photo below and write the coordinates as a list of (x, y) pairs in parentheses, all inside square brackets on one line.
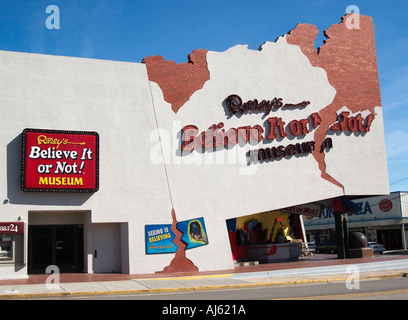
[(385, 289), (248, 303)]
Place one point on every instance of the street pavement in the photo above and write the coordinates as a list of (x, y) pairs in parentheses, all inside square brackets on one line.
[(313, 271)]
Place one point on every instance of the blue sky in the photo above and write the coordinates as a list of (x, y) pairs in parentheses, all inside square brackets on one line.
[(129, 30)]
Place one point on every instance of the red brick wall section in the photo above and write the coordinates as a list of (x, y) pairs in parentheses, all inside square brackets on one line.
[(180, 263), (178, 81), (349, 58)]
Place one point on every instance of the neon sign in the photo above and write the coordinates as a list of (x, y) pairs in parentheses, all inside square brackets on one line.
[(235, 104), (60, 161), (275, 128)]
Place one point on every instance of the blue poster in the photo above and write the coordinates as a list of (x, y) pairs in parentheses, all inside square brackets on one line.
[(159, 239), (194, 233)]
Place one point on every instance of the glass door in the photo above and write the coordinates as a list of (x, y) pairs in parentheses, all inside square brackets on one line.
[(60, 245)]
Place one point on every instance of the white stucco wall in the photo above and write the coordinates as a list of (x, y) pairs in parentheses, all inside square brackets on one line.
[(116, 100), (220, 185), (111, 98)]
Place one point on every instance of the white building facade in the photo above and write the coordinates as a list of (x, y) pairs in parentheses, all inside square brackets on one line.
[(178, 148), (382, 219)]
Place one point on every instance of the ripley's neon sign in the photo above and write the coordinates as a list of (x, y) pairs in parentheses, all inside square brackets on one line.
[(60, 161), (275, 128), (235, 105)]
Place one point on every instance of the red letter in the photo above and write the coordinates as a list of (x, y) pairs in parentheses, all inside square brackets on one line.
[(245, 132), (190, 141), (256, 132), (231, 136), (316, 119), (272, 122), (280, 125), (343, 122), (295, 127), (360, 123), (207, 138), (352, 124), (370, 119), (219, 135), (304, 122)]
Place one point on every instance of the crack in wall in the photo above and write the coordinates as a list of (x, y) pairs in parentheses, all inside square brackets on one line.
[(180, 262)]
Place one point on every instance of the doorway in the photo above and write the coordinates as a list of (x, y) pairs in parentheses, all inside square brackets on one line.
[(107, 248), (60, 245), (390, 238)]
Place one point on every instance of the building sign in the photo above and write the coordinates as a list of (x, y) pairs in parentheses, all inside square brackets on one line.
[(60, 161), (11, 227), (310, 209), (159, 238), (274, 128), (385, 205), (194, 233), (371, 209), (235, 105)]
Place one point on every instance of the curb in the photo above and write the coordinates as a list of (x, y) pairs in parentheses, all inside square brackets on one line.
[(186, 289)]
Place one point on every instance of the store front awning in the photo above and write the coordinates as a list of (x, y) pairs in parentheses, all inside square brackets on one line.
[(356, 224)]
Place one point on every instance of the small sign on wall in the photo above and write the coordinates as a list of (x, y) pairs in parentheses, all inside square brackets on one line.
[(159, 238), (11, 227), (60, 161)]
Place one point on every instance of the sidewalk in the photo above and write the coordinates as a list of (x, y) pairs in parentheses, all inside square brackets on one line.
[(319, 268)]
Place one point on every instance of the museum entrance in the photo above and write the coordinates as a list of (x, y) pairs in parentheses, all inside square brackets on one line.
[(60, 245)]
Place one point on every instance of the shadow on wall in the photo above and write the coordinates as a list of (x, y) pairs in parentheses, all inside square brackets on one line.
[(16, 195)]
